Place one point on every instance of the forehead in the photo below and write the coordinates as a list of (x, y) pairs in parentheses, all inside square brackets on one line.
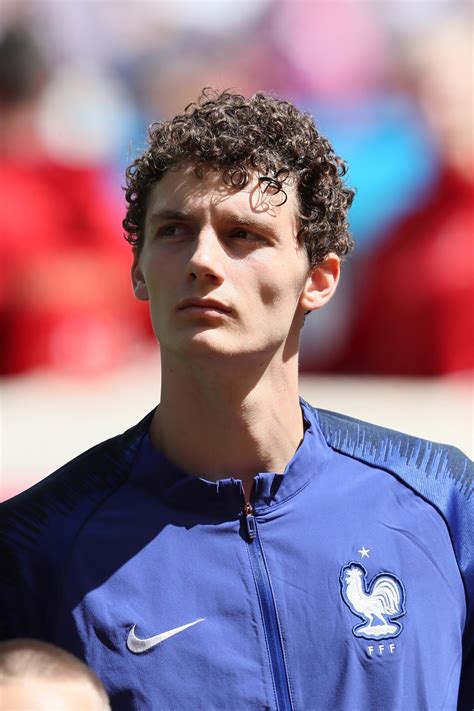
[(181, 190)]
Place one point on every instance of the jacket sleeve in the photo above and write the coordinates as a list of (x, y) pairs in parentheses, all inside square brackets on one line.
[(444, 477)]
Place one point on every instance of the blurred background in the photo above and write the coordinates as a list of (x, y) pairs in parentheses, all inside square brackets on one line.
[(389, 82)]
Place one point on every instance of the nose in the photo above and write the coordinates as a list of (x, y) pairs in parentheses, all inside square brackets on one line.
[(206, 260)]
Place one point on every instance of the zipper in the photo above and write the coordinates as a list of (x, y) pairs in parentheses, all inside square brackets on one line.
[(249, 520), (267, 604)]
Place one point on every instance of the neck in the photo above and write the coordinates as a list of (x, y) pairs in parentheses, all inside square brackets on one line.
[(229, 420)]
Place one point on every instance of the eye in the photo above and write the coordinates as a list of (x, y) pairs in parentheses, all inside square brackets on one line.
[(246, 236), (172, 230)]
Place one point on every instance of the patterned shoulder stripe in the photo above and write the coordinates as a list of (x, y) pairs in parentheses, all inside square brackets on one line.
[(398, 452)]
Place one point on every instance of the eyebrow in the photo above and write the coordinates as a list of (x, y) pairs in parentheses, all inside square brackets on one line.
[(169, 215), (252, 223), (244, 221), (235, 218)]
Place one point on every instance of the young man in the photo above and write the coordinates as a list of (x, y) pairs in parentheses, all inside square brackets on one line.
[(37, 676), (239, 549)]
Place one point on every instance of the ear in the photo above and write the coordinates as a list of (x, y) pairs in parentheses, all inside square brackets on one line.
[(321, 283), (138, 280)]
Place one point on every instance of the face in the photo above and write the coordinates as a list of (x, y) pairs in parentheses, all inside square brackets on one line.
[(44, 695), (222, 268)]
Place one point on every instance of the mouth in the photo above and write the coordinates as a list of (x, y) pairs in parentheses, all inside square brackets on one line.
[(203, 306)]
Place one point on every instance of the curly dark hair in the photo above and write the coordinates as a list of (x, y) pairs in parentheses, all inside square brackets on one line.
[(238, 136)]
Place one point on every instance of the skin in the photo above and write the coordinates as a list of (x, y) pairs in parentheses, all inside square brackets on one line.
[(230, 375), (36, 694)]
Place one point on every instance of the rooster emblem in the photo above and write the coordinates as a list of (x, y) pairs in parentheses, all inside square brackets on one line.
[(378, 604)]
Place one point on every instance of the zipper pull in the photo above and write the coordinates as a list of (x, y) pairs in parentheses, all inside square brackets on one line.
[(250, 521)]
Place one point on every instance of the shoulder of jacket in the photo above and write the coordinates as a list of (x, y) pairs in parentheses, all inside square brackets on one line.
[(47, 516), (420, 463)]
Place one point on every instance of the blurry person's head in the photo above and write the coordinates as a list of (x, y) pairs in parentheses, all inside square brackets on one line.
[(239, 138), (23, 76), (440, 60), (22, 67), (36, 676)]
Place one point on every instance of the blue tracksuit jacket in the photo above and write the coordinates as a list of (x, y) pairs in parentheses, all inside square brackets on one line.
[(346, 585)]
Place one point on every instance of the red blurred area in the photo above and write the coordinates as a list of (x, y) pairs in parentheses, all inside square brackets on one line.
[(414, 310), (65, 301)]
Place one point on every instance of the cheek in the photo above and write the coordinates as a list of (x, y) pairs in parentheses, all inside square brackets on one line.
[(270, 294), (260, 283), (157, 278), (279, 286)]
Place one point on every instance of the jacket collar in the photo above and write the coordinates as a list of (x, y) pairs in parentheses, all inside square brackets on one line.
[(224, 498)]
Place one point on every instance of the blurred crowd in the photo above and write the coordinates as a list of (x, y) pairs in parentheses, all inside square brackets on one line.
[(389, 83)]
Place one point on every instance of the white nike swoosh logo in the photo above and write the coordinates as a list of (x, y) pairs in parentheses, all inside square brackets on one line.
[(137, 645)]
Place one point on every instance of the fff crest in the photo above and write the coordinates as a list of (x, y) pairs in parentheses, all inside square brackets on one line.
[(379, 603)]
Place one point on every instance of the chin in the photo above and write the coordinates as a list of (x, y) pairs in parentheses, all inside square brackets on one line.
[(203, 343), (212, 342), (209, 344)]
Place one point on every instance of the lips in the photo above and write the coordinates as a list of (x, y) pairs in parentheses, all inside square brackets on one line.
[(203, 305)]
